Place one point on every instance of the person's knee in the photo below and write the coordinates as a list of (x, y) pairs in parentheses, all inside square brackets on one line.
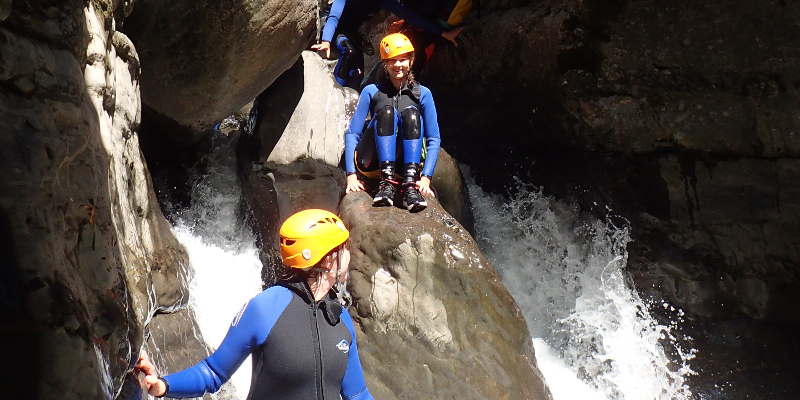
[(385, 121), (412, 123)]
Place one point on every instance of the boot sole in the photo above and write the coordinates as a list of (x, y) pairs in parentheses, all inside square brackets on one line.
[(417, 207), (382, 202)]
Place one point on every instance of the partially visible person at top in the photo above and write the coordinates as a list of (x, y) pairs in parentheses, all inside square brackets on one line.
[(401, 110), (341, 27), (449, 14), (301, 338)]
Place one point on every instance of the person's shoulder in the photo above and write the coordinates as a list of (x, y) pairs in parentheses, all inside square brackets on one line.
[(424, 90), (273, 295), (370, 89)]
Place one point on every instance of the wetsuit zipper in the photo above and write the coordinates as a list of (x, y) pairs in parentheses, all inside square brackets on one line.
[(320, 382)]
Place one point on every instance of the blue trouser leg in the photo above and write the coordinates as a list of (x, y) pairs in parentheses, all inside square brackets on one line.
[(411, 134), (386, 135)]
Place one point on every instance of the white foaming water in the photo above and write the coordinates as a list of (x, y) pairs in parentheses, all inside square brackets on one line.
[(594, 336), (223, 254)]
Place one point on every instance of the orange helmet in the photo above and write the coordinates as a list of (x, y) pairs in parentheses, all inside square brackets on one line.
[(394, 45), (309, 235)]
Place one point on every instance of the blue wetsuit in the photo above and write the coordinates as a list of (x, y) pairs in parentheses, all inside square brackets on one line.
[(344, 17), (411, 111), (302, 349)]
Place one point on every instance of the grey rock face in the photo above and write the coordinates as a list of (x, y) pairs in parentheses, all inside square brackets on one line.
[(202, 61)]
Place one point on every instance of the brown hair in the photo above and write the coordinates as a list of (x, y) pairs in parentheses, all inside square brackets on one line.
[(286, 274)]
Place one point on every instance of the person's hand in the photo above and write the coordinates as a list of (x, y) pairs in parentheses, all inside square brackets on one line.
[(452, 34), (153, 385), (323, 47), (353, 184), (424, 185)]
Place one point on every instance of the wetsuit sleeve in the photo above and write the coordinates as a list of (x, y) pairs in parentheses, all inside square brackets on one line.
[(353, 134), (411, 16), (431, 129), (333, 20), (249, 329), (354, 387)]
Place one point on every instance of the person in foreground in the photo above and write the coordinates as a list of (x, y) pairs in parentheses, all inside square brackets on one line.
[(302, 340), (399, 106)]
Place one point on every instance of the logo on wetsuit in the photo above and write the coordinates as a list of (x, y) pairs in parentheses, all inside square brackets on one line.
[(343, 346)]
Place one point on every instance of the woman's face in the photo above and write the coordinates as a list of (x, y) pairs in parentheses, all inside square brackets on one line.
[(399, 67)]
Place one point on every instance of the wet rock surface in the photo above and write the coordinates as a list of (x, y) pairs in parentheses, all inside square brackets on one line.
[(434, 319)]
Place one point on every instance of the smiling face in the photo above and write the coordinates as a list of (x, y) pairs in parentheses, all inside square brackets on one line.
[(399, 67)]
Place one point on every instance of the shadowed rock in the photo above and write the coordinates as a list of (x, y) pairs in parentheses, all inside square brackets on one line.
[(203, 61), (90, 256)]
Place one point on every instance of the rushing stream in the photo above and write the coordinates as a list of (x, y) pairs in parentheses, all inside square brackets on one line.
[(593, 335), (222, 252)]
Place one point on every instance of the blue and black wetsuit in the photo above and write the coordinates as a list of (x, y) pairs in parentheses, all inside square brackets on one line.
[(343, 19), (407, 116), (302, 349)]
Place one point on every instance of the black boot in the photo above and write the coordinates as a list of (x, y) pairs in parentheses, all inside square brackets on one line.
[(412, 198), (386, 189)]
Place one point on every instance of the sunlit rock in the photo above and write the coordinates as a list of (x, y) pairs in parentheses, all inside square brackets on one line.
[(431, 310)]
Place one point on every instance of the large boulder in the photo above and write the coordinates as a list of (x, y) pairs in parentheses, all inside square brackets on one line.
[(202, 61), (90, 257), (304, 114), (291, 158), (434, 320)]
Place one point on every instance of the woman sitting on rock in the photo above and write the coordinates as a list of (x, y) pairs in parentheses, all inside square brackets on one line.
[(402, 111), (292, 359)]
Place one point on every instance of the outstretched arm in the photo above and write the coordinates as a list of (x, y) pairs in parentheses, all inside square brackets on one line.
[(249, 329)]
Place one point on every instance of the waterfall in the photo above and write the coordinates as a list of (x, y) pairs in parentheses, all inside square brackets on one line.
[(593, 335), (222, 252)]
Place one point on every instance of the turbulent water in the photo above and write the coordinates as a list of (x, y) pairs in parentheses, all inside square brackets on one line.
[(593, 335), (222, 252)]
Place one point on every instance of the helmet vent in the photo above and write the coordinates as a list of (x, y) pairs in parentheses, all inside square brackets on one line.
[(287, 242)]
